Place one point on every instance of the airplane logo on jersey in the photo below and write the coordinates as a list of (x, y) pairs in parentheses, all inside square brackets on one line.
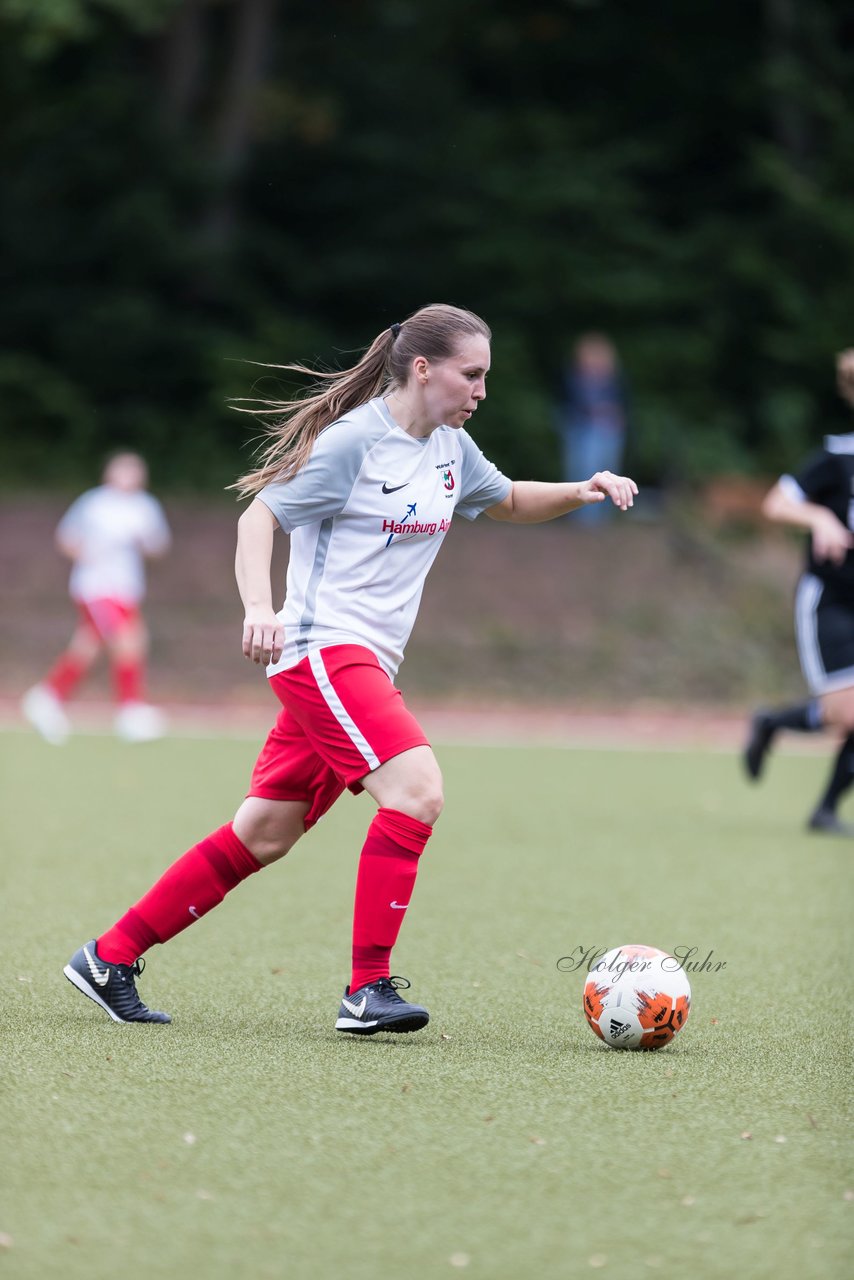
[(411, 525), (400, 525)]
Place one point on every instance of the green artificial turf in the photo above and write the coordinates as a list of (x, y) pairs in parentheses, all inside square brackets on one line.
[(249, 1139)]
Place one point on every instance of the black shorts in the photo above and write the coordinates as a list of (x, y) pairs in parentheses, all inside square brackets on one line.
[(824, 626)]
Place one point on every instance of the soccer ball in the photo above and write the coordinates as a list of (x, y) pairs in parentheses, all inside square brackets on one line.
[(637, 997)]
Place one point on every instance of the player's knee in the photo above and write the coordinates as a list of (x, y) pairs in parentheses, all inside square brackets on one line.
[(268, 832), (84, 646), (268, 848), (431, 805), (423, 799), (838, 711), (129, 644), (411, 783)]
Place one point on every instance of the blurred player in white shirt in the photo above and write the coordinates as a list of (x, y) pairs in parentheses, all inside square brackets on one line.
[(107, 534)]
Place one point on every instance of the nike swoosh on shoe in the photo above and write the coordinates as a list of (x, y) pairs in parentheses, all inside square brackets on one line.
[(356, 1009), (101, 976)]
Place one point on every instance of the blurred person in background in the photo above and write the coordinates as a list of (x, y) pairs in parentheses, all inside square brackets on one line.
[(592, 414), (107, 533), (819, 498), (366, 473)]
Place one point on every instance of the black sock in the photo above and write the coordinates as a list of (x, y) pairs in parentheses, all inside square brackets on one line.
[(803, 717), (842, 776)]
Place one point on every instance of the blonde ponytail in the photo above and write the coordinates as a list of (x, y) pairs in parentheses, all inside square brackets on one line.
[(292, 426)]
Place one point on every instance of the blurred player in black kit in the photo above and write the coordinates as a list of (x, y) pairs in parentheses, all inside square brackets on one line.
[(820, 498)]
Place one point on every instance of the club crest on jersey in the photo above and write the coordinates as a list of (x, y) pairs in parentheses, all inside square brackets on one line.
[(447, 474)]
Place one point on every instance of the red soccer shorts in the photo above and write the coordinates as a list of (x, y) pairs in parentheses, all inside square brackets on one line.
[(341, 718), (106, 617)]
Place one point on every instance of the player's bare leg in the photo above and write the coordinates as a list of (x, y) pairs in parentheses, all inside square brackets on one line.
[(410, 783), (269, 828), (44, 704), (85, 645), (838, 709), (136, 720)]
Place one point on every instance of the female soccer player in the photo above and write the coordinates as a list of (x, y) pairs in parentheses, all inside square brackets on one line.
[(106, 533), (366, 475), (820, 499)]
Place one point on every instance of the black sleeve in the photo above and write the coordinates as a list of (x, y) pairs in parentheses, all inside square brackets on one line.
[(818, 476)]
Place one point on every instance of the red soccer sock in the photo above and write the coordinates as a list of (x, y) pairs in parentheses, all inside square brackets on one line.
[(129, 680), (191, 887), (65, 675), (385, 880)]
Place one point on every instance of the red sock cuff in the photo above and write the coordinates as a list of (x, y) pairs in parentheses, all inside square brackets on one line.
[(64, 676), (127, 939), (129, 680), (186, 891), (229, 856), (410, 833)]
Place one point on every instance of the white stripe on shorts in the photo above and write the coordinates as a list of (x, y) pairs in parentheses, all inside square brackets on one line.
[(336, 706), (807, 599)]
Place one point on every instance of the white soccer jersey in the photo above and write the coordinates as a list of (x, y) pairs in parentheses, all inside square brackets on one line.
[(113, 531), (367, 515)]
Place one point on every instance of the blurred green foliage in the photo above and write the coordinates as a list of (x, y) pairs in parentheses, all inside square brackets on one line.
[(189, 184)]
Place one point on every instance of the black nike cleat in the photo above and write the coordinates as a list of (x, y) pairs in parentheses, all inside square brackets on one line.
[(827, 823), (112, 986), (378, 1007), (762, 731)]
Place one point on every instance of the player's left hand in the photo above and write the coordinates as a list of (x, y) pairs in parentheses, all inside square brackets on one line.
[(604, 484)]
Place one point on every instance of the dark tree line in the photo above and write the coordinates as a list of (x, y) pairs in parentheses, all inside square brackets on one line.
[(190, 184)]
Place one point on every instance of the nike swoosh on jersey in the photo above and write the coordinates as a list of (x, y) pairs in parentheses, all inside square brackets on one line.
[(398, 906), (102, 977), (394, 488), (356, 1009)]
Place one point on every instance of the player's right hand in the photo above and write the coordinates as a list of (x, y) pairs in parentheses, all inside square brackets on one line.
[(830, 538), (622, 490), (263, 636)]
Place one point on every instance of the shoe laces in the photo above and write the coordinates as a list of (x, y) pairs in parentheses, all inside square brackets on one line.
[(389, 987), (132, 971)]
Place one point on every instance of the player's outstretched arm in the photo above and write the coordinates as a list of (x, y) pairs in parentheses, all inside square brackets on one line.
[(534, 501), (263, 634)]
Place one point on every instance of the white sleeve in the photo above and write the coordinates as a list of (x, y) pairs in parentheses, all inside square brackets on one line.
[(71, 524), (483, 485), (791, 488), (321, 488)]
